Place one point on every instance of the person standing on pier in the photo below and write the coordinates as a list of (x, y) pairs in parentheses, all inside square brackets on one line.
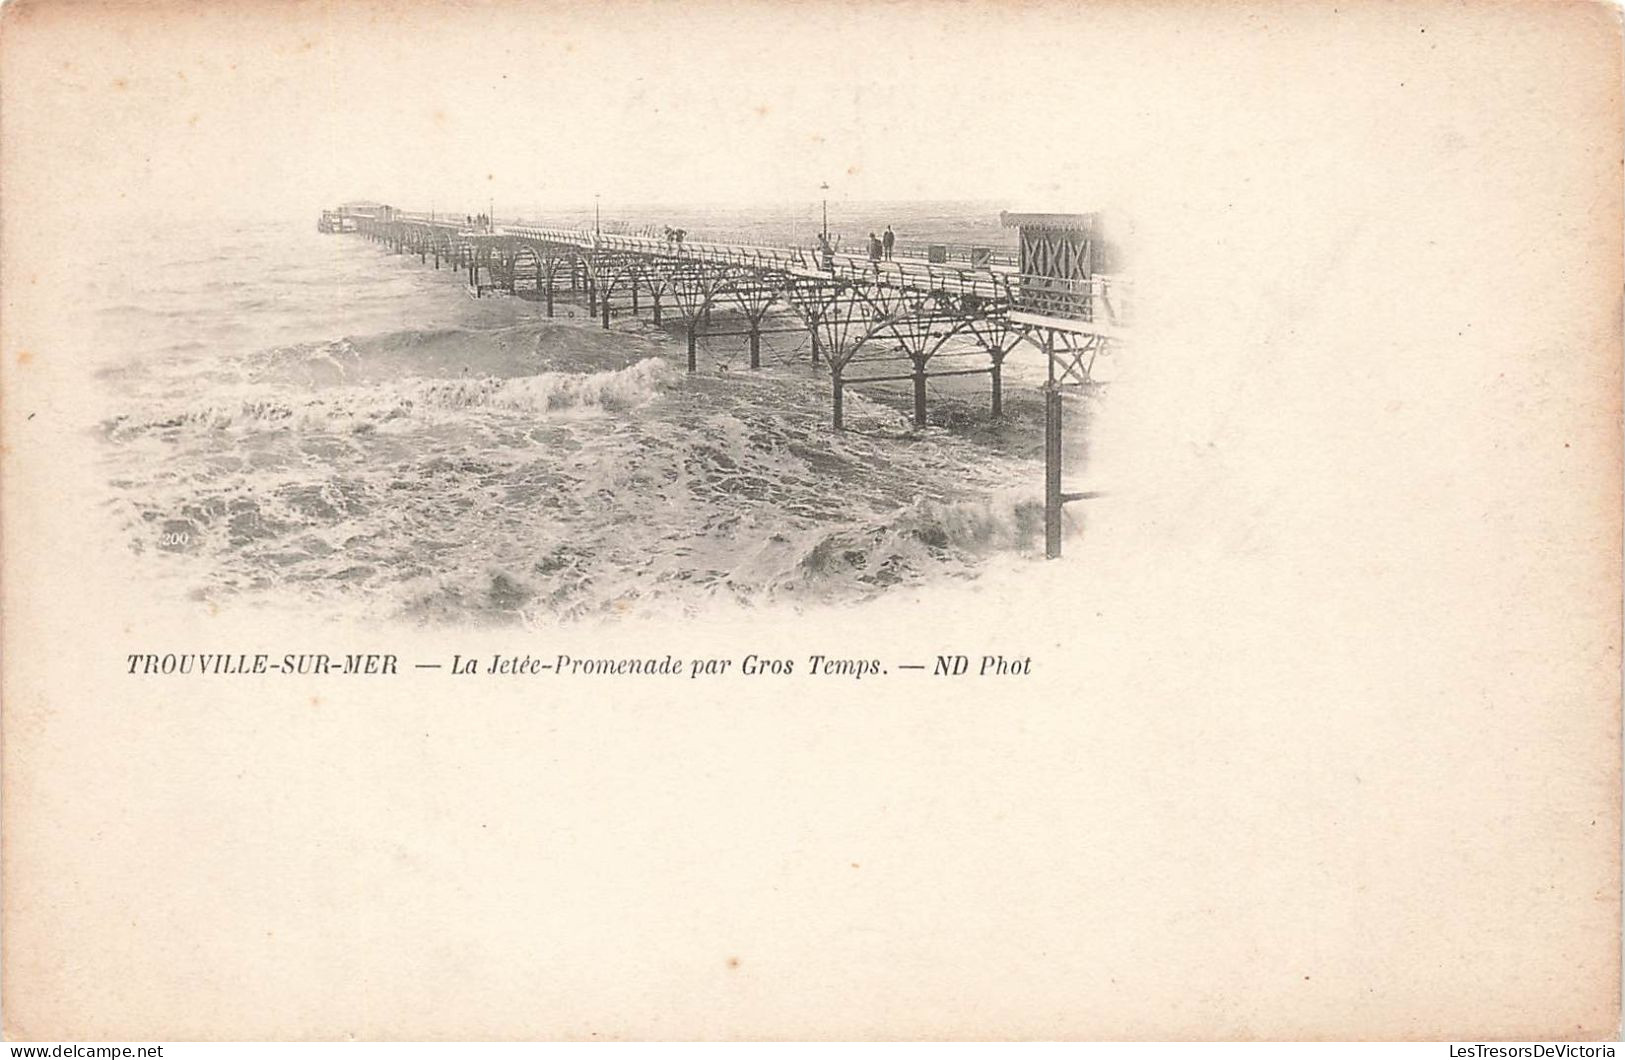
[(888, 241), (874, 247)]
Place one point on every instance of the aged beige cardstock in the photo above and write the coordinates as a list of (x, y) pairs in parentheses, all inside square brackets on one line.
[(1321, 733)]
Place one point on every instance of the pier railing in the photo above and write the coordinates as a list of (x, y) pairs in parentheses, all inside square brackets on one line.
[(989, 283), (1102, 299), (1104, 302), (973, 254)]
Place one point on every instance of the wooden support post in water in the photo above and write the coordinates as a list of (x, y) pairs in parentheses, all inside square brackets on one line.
[(656, 297), (549, 294), (812, 326), (605, 301), (755, 346), (919, 393), (634, 297), (692, 321), (998, 389), (840, 423), (592, 298), (1052, 471)]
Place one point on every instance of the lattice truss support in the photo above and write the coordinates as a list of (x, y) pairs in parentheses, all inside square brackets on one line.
[(1070, 356), (864, 321), (851, 316)]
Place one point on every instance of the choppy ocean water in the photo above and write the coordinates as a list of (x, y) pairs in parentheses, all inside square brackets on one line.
[(313, 422)]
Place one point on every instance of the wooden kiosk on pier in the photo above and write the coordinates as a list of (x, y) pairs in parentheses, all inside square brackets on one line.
[(1069, 302)]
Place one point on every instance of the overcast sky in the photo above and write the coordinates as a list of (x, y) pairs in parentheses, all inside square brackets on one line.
[(271, 108), (1243, 118)]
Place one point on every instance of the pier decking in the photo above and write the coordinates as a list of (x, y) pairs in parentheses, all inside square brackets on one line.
[(859, 313)]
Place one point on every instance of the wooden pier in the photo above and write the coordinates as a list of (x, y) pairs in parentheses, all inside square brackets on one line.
[(897, 320)]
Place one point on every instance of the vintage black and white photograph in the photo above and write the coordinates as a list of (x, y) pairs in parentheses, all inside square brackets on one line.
[(640, 319), (538, 412)]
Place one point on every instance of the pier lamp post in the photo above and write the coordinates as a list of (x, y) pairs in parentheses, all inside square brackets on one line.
[(824, 187), (596, 218)]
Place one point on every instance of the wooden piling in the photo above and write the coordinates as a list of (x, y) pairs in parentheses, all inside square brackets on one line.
[(1052, 471)]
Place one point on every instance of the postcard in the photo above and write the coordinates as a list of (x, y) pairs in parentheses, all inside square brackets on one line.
[(782, 521)]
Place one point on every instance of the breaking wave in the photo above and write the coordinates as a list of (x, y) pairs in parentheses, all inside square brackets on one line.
[(411, 401)]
